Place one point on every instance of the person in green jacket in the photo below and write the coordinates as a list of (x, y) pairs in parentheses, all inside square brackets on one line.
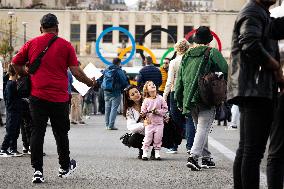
[(187, 94)]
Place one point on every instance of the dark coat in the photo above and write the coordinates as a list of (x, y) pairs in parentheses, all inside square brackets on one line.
[(149, 73), (252, 45)]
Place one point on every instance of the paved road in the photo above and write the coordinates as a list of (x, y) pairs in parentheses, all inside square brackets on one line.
[(104, 162)]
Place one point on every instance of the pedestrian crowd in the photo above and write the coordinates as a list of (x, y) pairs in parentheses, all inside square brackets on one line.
[(181, 99)]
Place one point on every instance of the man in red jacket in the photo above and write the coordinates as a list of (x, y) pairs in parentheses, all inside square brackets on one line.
[(49, 94)]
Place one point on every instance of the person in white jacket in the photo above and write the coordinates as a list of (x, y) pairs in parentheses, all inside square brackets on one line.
[(180, 47), (132, 101)]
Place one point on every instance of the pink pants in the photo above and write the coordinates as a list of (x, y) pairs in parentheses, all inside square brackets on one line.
[(153, 133)]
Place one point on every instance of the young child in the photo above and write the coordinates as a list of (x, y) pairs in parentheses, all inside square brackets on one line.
[(13, 116), (153, 110)]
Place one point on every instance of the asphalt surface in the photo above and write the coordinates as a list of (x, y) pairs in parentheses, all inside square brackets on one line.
[(104, 162)]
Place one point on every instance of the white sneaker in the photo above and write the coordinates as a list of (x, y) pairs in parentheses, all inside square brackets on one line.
[(232, 128), (157, 155), (171, 151), (145, 155)]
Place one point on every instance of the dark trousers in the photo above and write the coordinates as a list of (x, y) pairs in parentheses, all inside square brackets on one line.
[(176, 114), (256, 116), (26, 128), (58, 113), (275, 162), (13, 123)]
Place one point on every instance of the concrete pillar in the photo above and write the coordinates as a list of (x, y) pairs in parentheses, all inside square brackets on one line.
[(196, 20), (115, 21), (99, 23), (83, 33), (66, 25), (148, 26), (164, 35), (180, 26), (131, 25), (213, 27)]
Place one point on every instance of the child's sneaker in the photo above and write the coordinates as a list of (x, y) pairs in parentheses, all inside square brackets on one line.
[(157, 155), (15, 153), (38, 177), (171, 151), (193, 164), (66, 173), (145, 155), (5, 153), (207, 163)]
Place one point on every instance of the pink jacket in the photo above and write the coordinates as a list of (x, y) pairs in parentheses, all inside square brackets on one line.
[(159, 104)]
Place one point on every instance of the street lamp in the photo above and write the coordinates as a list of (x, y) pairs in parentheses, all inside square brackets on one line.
[(11, 14), (25, 31)]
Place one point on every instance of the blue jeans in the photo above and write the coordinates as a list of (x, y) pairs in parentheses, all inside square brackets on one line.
[(189, 131), (176, 114), (111, 105)]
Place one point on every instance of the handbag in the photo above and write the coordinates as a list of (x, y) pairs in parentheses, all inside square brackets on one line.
[(24, 82), (212, 88)]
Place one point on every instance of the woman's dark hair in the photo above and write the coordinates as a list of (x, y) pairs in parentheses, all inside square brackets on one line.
[(11, 70), (127, 103)]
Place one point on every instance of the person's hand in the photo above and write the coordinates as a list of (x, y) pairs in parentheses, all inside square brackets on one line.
[(143, 115), (147, 122), (155, 112), (180, 109), (92, 83)]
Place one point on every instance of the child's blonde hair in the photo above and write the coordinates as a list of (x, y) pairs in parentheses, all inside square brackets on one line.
[(145, 89), (182, 46)]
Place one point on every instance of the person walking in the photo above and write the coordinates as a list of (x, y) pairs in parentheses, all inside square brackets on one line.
[(13, 116), (49, 96), (149, 73), (275, 161), (188, 96), (114, 81), (254, 73), (180, 47), (164, 71)]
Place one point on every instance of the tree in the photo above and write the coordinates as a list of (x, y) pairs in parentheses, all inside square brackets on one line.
[(169, 5)]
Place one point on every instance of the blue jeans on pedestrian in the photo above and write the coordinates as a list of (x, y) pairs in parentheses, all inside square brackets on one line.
[(176, 115), (111, 104), (189, 131)]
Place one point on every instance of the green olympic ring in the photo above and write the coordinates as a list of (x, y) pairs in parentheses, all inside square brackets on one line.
[(166, 54)]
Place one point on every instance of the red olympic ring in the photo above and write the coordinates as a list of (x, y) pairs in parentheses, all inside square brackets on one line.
[(213, 33)]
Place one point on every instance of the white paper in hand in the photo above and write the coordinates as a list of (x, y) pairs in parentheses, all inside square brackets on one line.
[(92, 72)]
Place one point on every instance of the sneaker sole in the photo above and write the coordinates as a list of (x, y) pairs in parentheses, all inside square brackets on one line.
[(192, 166), (171, 152), (5, 156), (38, 180), (20, 155), (68, 174), (207, 167)]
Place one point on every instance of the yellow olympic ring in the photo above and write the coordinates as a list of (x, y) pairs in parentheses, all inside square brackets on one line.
[(124, 51)]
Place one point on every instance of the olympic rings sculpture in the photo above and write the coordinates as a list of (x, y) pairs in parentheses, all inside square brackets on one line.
[(109, 30), (124, 51)]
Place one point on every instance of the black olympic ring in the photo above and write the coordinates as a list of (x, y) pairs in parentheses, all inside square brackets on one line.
[(150, 31)]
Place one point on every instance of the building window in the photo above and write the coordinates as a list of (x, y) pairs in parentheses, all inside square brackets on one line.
[(188, 29), (108, 37), (173, 31), (156, 35), (75, 32), (122, 36), (91, 32), (139, 31)]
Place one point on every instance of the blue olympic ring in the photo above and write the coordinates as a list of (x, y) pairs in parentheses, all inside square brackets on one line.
[(133, 50)]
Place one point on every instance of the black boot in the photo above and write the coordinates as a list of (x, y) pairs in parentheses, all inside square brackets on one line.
[(152, 157), (140, 153)]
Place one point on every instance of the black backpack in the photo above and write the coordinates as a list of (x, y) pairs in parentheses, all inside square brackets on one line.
[(212, 88)]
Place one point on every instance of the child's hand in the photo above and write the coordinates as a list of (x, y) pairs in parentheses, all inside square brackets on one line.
[(155, 112), (147, 122), (143, 115)]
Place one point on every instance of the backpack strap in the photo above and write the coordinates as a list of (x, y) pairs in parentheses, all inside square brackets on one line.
[(206, 59)]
